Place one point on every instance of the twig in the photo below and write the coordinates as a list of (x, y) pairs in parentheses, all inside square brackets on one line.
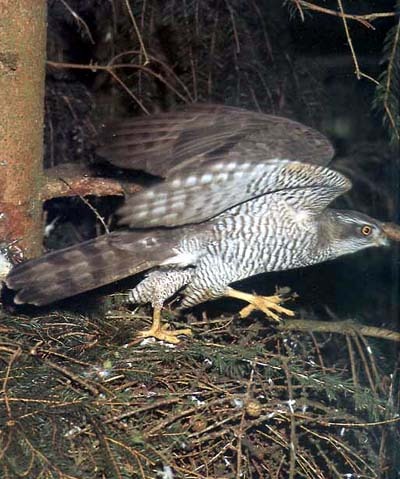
[(13, 358), (384, 422), (372, 360), (318, 351), (349, 40), (235, 32), (142, 47), (89, 205), (299, 5), (363, 19), (128, 91), (69, 374), (341, 327), (98, 431), (352, 360), (365, 363), (164, 65), (79, 21), (211, 53), (110, 69), (293, 434), (239, 434), (389, 81)]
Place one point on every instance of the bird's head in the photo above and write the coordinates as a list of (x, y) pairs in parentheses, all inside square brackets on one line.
[(346, 232)]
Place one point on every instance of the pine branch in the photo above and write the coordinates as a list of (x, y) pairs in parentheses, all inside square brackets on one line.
[(387, 95)]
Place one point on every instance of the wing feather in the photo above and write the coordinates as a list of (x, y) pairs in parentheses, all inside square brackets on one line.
[(165, 143), (195, 195)]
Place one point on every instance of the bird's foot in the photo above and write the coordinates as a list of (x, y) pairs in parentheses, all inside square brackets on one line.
[(270, 305), (162, 333)]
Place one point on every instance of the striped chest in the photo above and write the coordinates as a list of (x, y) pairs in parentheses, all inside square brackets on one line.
[(266, 234)]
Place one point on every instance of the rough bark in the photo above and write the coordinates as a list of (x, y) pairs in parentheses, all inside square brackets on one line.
[(22, 73), (70, 179)]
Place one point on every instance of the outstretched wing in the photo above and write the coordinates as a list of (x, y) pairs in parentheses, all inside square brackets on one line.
[(197, 194), (166, 143)]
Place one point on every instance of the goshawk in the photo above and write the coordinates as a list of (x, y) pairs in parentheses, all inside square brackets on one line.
[(241, 193)]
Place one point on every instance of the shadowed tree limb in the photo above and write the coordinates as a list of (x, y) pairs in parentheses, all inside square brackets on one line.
[(70, 179), (349, 327)]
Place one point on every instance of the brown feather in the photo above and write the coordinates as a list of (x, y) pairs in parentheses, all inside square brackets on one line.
[(83, 267), (165, 143)]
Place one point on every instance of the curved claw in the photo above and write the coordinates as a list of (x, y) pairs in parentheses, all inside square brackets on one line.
[(270, 305), (162, 333)]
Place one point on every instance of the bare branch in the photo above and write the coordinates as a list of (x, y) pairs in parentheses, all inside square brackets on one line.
[(340, 327)]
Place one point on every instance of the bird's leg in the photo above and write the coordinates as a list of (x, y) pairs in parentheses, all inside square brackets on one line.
[(161, 332), (270, 305)]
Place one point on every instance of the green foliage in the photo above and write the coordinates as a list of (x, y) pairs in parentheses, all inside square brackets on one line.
[(76, 404), (387, 96)]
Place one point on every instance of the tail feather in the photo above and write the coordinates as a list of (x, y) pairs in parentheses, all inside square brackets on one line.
[(89, 265)]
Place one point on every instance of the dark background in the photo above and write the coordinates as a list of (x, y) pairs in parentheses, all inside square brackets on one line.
[(264, 57), (79, 404)]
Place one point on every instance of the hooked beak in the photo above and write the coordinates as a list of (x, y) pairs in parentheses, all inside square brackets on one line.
[(390, 231), (382, 240)]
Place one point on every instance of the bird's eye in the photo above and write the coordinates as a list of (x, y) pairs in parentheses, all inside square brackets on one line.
[(366, 230)]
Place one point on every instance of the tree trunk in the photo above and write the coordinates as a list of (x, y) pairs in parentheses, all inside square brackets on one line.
[(22, 73)]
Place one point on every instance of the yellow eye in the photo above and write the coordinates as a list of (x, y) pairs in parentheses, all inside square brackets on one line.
[(366, 230)]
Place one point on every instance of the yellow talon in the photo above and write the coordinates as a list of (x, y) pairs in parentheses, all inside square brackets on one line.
[(270, 305), (161, 331)]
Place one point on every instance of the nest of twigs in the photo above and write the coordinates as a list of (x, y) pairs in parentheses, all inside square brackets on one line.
[(240, 400)]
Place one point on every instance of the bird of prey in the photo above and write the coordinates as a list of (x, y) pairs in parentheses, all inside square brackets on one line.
[(239, 193)]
